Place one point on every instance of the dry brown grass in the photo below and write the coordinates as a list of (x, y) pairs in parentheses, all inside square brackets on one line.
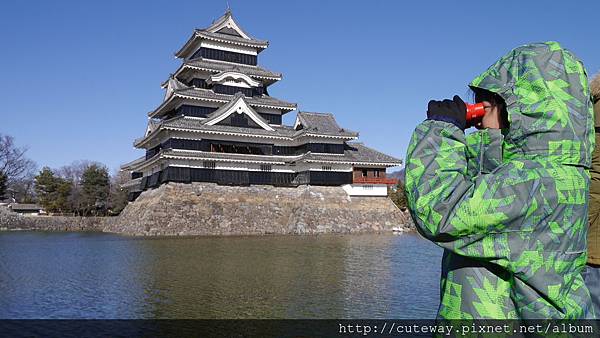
[(595, 85)]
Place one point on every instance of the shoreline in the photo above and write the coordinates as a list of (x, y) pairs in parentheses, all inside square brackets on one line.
[(137, 236), (98, 224)]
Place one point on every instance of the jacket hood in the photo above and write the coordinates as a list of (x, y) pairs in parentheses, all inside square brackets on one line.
[(547, 97)]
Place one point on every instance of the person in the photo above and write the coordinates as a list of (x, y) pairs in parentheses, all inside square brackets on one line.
[(509, 202), (591, 274)]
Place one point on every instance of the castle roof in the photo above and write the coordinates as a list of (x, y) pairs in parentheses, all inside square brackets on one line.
[(277, 132), (355, 153), (181, 122), (318, 122), (177, 90), (221, 66), (225, 29), (259, 101)]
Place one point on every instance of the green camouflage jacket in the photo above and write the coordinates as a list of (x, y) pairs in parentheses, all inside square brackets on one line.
[(511, 210)]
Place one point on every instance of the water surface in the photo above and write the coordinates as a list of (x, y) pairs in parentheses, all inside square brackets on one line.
[(92, 275)]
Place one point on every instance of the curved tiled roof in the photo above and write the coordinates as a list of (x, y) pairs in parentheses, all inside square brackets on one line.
[(355, 153), (232, 39), (222, 66), (210, 33), (263, 100), (320, 123), (196, 124)]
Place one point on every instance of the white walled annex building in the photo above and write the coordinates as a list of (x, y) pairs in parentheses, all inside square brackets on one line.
[(217, 123)]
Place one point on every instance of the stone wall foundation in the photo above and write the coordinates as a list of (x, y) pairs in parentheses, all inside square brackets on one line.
[(210, 209)]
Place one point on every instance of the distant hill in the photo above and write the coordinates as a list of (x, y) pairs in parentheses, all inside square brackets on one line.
[(399, 174)]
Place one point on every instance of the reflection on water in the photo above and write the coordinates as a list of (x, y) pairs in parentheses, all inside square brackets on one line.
[(78, 275)]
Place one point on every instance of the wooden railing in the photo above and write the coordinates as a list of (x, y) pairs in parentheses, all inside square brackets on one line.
[(375, 180)]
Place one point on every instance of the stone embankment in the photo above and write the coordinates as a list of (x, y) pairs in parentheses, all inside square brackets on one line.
[(12, 221), (210, 209)]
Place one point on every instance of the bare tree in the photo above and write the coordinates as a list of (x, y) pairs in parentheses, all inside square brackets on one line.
[(22, 189), (117, 199), (74, 172), (13, 162)]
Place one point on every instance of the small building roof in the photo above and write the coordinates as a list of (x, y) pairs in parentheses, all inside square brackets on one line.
[(24, 207)]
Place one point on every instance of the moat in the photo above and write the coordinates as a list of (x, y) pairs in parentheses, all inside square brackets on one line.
[(97, 275)]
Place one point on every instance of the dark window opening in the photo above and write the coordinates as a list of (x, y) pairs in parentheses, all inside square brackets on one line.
[(237, 177), (238, 149), (271, 118), (223, 55), (199, 83), (231, 90), (314, 147), (194, 111), (239, 120), (365, 173), (152, 151)]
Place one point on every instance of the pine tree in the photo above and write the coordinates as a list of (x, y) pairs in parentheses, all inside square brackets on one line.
[(52, 191), (95, 185)]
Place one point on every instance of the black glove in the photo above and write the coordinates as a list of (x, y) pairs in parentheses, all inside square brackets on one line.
[(453, 111)]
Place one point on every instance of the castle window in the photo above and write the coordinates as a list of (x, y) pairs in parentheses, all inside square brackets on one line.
[(217, 54), (326, 168), (209, 164), (266, 167)]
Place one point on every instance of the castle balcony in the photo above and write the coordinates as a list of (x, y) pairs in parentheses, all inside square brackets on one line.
[(374, 180)]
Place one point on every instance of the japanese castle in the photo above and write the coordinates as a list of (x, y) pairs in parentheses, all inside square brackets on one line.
[(218, 123)]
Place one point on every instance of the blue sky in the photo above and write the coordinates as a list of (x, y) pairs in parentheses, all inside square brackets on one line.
[(78, 77)]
